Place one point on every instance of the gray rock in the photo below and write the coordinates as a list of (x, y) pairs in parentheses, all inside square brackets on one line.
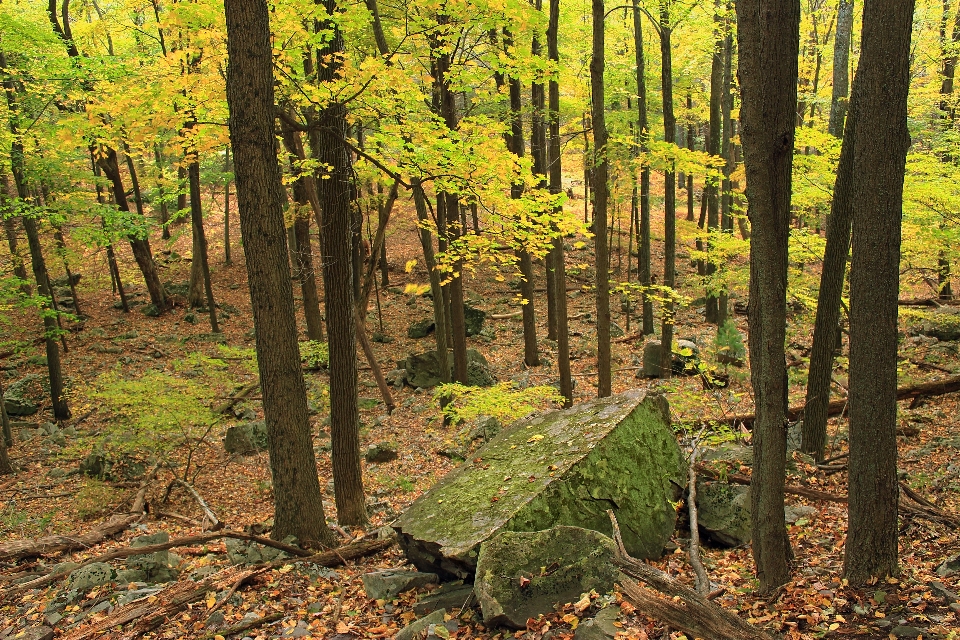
[(600, 627), (241, 552), (942, 323), (397, 377), (96, 465), (23, 396), (793, 513), (723, 511), (949, 567), (473, 320), (126, 576), (53, 618), (92, 575), (483, 428), (651, 359), (421, 329), (451, 596), (156, 566), (36, 633), (381, 452), (413, 629), (683, 362), (564, 467), (423, 370), (215, 619), (615, 330), (513, 585), (389, 583), (136, 594), (940, 590), (904, 631), (247, 438), (731, 452)]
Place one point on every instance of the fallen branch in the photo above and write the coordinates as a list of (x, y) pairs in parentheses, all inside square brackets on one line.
[(918, 302), (701, 579), (49, 545), (237, 397), (685, 609), (926, 389), (506, 316), (210, 520), (245, 626), (630, 338)]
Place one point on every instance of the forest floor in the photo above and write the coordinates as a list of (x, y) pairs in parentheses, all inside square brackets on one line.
[(48, 497)]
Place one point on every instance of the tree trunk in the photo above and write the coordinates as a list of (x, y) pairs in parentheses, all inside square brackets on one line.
[(712, 309), (430, 262), (338, 285), (556, 257), (600, 194), (107, 159), (226, 210), (161, 195), (691, 140), (200, 241), (6, 438), (9, 226), (726, 151), (768, 80), (669, 190), (841, 67), (879, 157), (643, 233), (826, 328), (297, 499), (949, 113)]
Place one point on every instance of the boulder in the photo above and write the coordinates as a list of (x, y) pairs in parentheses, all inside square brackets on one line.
[(560, 468), (22, 398), (90, 576), (451, 596), (949, 567), (723, 511), (522, 575), (599, 627), (389, 583), (423, 370), (155, 566), (247, 438), (96, 465), (482, 428), (241, 552), (415, 628), (36, 633), (421, 329), (683, 363), (381, 452), (473, 319)]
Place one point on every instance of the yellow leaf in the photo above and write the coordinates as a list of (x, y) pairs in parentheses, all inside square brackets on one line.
[(210, 602), (571, 620), (287, 568), (834, 626), (342, 628), (536, 438), (410, 265)]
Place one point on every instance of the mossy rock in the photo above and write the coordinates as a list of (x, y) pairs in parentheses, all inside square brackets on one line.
[(423, 369), (561, 468), (22, 398), (522, 575), (247, 438), (723, 511)]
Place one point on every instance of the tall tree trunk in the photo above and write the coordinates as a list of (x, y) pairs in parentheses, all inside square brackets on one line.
[(600, 193), (6, 438), (726, 151), (768, 79), (691, 143), (226, 210), (338, 285), (8, 192), (161, 195), (556, 186), (879, 158), (200, 242), (712, 309), (298, 508), (430, 262), (841, 67), (643, 240), (669, 190), (826, 328), (949, 52)]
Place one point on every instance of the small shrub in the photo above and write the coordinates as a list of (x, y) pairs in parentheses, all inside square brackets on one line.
[(95, 497), (503, 401), (314, 354)]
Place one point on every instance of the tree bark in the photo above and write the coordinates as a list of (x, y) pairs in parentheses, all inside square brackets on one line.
[(600, 194), (8, 191), (879, 158), (643, 133), (768, 78), (226, 210), (712, 308), (669, 189), (298, 507), (6, 438), (841, 67), (430, 262)]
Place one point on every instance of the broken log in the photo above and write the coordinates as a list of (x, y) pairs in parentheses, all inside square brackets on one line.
[(918, 302), (237, 397), (210, 520), (836, 407), (684, 609)]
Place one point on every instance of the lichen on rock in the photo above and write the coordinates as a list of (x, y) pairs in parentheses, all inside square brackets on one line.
[(561, 468)]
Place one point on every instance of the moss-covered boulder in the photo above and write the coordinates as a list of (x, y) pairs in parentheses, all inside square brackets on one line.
[(561, 468), (522, 575)]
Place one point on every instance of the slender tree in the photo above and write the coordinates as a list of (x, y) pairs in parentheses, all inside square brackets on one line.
[(879, 159), (841, 67), (600, 195), (298, 508), (712, 191), (768, 79), (643, 135), (669, 187)]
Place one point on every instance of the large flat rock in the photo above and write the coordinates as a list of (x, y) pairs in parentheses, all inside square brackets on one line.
[(561, 468)]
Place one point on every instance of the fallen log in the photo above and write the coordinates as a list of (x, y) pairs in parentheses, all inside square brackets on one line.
[(684, 609), (836, 407), (237, 397), (19, 549), (210, 520), (918, 302)]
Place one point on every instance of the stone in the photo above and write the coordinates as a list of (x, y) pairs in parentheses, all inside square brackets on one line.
[(512, 584), (241, 552), (451, 596), (92, 575), (600, 627), (616, 331), (247, 438), (730, 452), (389, 583), (949, 567), (473, 320), (423, 370), (151, 311), (794, 513), (943, 324), (127, 576), (560, 468), (35, 633), (904, 631), (421, 329), (381, 452), (483, 428), (651, 359), (397, 377), (940, 590), (723, 511), (154, 563), (215, 619), (96, 465), (413, 629), (684, 362), (22, 398)]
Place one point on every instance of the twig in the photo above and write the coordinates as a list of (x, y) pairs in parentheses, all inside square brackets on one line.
[(244, 626), (701, 579), (208, 515)]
